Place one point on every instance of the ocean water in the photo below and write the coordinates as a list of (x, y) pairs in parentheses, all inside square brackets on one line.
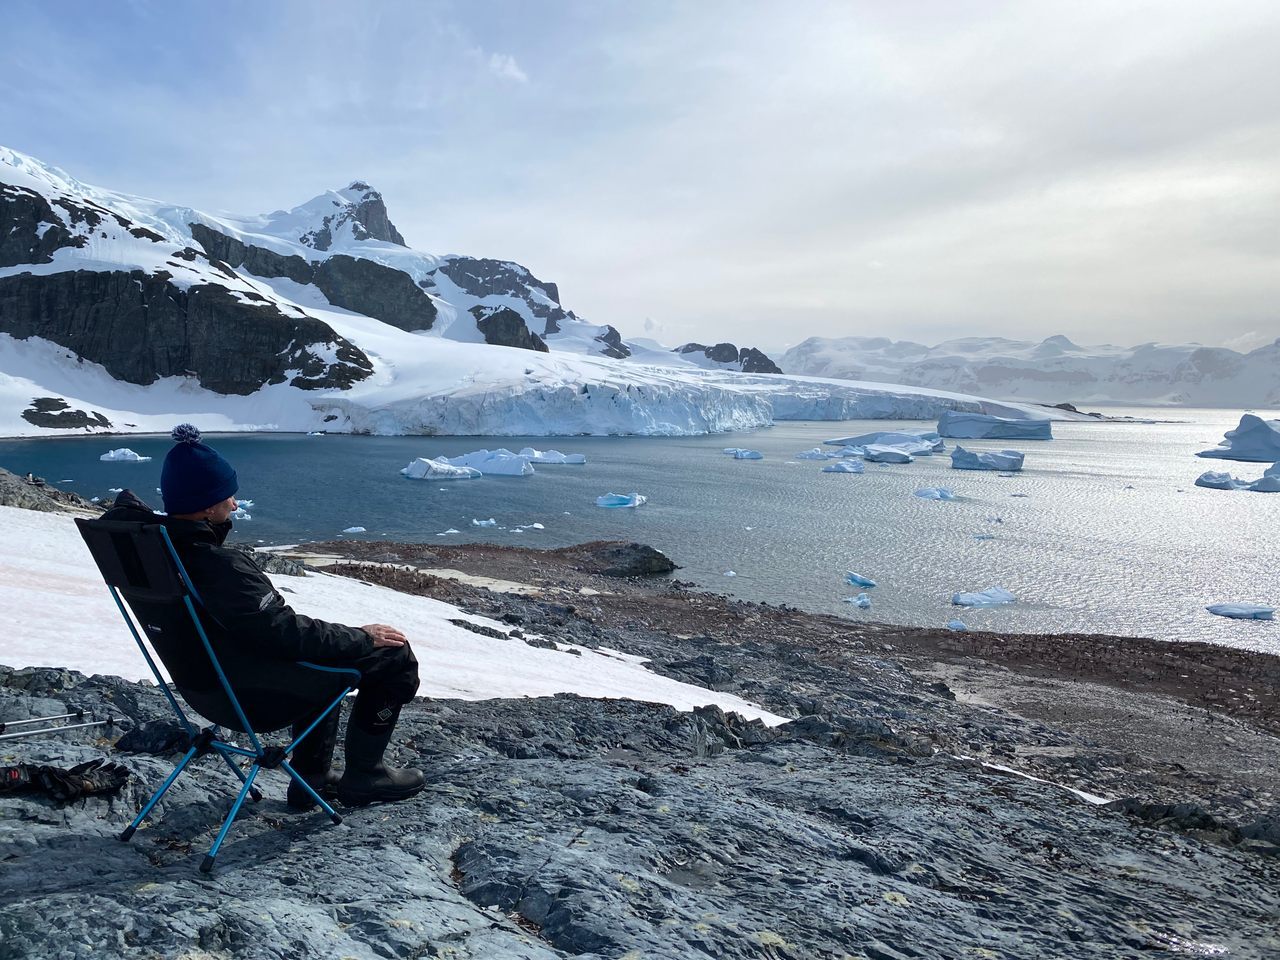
[(1102, 532)]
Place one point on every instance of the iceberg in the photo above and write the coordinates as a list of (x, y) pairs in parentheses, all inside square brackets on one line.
[(957, 625), (935, 493), (484, 523), (423, 469), (921, 442), (1242, 611), (984, 426), (551, 456), (123, 455), (1254, 439), (861, 600), (880, 453), (858, 580), (354, 530), (990, 597), (730, 573), (844, 466), (741, 453), (501, 462), (816, 454), (962, 459), (1269, 482), (620, 500)]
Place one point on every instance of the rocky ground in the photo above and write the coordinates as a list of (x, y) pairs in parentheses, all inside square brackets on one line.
[(884, 821)]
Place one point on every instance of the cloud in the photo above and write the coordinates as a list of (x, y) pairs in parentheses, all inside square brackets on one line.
[(504, 65)]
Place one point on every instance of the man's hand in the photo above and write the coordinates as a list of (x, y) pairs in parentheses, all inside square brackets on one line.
[(384, 636)]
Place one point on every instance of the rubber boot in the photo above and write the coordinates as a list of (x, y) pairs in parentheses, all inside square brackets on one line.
[(367, 779), (313, 760)]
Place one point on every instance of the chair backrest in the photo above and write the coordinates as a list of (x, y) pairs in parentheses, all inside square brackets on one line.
[(139, 563)]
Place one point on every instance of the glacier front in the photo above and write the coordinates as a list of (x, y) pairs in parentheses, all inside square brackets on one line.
[(968, 425)]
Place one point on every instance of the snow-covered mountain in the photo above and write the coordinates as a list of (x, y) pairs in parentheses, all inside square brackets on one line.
[(121, 313), (1053, 370)]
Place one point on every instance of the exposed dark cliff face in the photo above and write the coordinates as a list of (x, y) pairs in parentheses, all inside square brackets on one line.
[(31, 230), (748, 359), (141, 327), (354, 284), (375, 290), (613, 345), (482, 277), (256, 260), (503, 327)]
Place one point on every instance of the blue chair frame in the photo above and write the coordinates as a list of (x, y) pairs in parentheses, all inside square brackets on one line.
[(210, 739)]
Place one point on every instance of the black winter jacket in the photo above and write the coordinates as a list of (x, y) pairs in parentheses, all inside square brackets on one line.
[(253, 617)]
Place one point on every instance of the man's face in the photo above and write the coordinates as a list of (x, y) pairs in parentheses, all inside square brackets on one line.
[(221, 512)]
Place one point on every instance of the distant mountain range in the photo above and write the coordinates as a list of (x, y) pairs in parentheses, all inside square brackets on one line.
[(1052, 370), (120, 313)]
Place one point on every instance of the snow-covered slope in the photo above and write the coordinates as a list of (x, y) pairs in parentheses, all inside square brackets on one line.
[(1053, 370), (120, 313), (59, 614)]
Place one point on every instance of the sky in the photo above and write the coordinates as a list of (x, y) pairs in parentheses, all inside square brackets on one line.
[(743, 171)]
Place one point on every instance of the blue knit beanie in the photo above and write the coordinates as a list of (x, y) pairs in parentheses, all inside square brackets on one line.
[(194, 475)]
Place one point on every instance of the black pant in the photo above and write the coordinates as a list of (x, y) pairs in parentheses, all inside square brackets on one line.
[(388, 680)]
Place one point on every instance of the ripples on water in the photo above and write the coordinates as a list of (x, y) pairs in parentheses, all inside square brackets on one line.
[(1111, 537)]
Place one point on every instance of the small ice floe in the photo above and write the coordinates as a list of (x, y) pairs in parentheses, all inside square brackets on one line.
[(1242, 611), (354, 530), (990, 597), (883, 453), (484, 523), (95, 499), (123, 455), (501, 462), (534, 526), (844, 466), (1009, 461), (861, 601), (748, 528), (115, 490), (448, 532), (315, 433), (742, 453), (957, 625), (240, 513), (730, 573), (438, 469), (247, 504), (621, 500), (935, 493), (815, 454), (66, 481), (551, 456), (858, 580)]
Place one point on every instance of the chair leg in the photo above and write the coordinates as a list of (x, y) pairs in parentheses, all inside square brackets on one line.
[(207, 864), (155, 797), (254, 793), (301, 781)]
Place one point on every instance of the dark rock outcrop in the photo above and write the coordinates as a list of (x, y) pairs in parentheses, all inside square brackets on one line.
[(747, 359), (375, 290), (482, 277), (613, 345), (54, 413), (16, 491), (32, 231), (629, 560), (352, 283), (503, 327), (256, 260), (141, 327)]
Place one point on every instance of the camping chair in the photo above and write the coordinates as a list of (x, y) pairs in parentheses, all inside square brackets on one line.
[(141, 568)]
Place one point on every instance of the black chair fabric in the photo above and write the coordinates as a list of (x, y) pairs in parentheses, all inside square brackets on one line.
[(135, 559)]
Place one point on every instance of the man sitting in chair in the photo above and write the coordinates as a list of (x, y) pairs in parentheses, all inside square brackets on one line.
[(198, 487)]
